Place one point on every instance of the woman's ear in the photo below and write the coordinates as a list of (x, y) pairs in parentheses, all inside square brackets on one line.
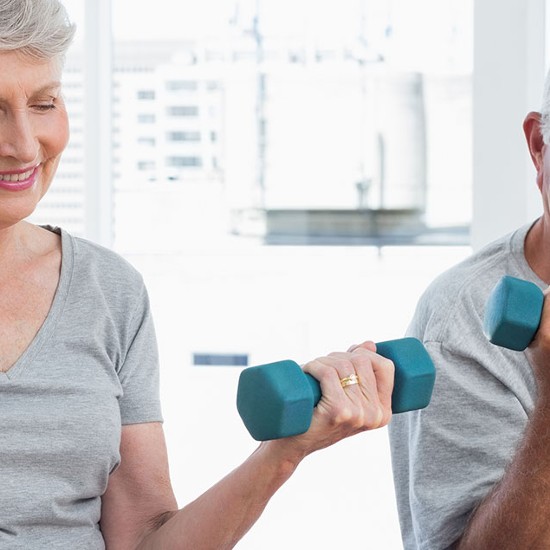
[(533, 135)]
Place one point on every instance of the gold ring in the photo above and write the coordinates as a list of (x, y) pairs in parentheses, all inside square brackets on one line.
[(349, 380)]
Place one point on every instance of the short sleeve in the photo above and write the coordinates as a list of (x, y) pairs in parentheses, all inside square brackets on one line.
[(139, 372), (447, 457)]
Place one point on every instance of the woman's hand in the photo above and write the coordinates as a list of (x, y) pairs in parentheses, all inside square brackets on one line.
[(342, 411)]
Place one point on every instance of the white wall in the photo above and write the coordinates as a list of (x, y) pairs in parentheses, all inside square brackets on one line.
[(509, 62)]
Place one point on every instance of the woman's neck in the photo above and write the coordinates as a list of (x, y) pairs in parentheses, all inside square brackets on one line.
[(22, 243)]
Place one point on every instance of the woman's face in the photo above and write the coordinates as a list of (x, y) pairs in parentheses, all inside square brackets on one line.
[(34, 131)]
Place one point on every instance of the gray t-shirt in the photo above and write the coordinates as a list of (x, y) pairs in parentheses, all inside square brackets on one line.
[(447, 457), (91, 368)]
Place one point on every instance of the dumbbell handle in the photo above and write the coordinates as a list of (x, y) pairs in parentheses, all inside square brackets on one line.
[(397, 350)]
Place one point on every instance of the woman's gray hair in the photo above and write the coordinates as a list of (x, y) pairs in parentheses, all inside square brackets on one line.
[(39, 29)]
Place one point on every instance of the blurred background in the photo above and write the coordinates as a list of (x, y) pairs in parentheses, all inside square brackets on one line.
[(289, 176)]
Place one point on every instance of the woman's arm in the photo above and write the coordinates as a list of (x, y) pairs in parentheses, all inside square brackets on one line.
[(139, 509)]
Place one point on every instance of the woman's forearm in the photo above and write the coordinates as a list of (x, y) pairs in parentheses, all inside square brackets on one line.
[(220, 517)]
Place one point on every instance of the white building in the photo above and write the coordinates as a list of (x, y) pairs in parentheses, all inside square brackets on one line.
[(217, 134)]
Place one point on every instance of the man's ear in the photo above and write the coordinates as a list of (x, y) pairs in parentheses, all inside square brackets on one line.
[(533, 135)]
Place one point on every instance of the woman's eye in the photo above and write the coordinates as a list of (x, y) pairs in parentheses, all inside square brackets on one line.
[(44, 107)]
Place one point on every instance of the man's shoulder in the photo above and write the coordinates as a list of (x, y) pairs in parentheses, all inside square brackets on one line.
[(461, 290)]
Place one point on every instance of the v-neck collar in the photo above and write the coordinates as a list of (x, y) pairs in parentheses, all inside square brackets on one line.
[(46, 330)]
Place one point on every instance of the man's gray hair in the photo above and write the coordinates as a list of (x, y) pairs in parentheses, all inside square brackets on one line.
[(545, 111), (37, 28)]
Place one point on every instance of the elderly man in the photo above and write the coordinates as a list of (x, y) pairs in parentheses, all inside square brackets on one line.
[(472, 471)]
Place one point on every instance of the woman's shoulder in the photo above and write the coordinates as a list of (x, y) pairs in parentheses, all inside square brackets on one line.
[(94, 252), (98, 266)]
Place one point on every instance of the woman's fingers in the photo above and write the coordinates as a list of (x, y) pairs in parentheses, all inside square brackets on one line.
[(356, 385), (367, 344), (384, 372)]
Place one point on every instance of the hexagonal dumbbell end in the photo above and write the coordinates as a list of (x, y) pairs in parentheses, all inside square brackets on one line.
[(513, 312), (414, 373), (277, 400)]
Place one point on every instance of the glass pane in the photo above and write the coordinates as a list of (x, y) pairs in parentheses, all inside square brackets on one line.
[(295, 121)]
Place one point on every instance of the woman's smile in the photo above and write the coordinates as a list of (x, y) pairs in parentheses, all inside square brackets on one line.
[(19, 180)]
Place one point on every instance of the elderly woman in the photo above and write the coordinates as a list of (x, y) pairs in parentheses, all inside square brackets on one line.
[(83, 461)]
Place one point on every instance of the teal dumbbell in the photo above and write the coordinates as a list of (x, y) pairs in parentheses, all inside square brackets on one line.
[(277, 400), (513, 312)]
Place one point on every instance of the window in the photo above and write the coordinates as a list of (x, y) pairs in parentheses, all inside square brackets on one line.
[(274, 99), (182, 85), (147, 141), (183, 162), (146, 94), (190, 111), (145, 118), (145, 165), (269, 91), (184, 136)]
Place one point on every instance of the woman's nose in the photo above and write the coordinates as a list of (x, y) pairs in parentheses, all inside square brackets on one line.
[(17, 139)]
